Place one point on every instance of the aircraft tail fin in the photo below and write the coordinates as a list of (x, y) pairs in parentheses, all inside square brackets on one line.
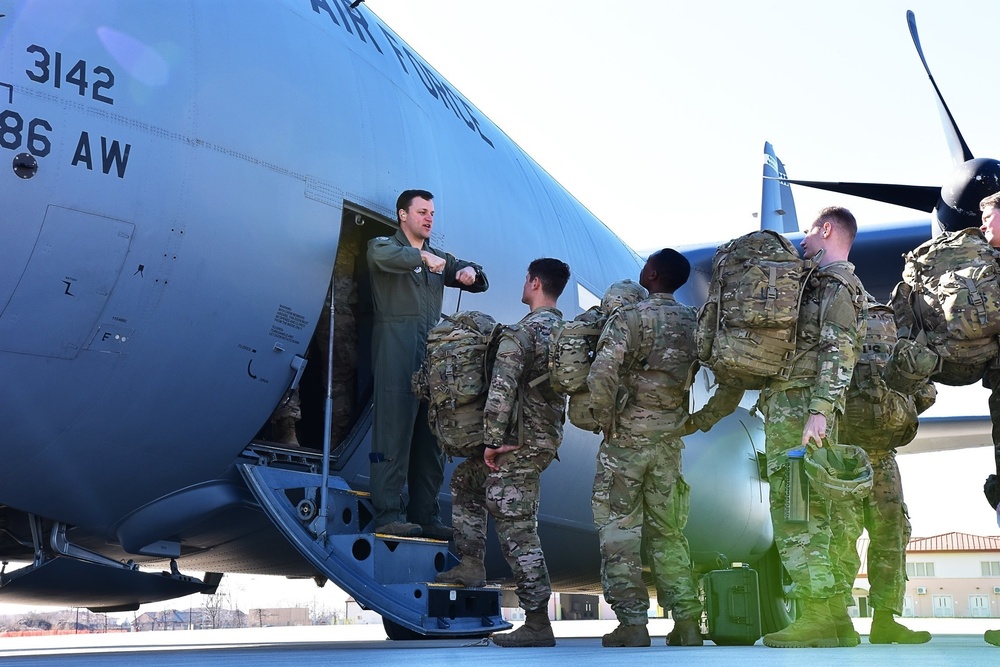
[(777, 208)]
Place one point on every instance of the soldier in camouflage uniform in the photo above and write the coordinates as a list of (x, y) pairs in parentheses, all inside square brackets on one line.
[(408, 278), (344, 297), (284, 418), (638, 385), (881, 419), (803, 411), (888, 526), (523, 426), (990, 206)]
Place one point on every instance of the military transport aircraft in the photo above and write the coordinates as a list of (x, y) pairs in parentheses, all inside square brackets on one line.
[(186, 182)]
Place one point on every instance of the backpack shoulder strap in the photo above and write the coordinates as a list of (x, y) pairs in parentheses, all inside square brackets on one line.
[(527, 345), (848, 279), (635, 338)]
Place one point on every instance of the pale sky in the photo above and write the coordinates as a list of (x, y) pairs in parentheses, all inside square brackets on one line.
[(654, 115)]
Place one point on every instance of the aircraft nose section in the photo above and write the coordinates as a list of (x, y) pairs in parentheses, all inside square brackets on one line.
[(958, 207)]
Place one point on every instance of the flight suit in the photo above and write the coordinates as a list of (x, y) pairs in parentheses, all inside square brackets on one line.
[(408, 301), (643, 364), (831, 326)]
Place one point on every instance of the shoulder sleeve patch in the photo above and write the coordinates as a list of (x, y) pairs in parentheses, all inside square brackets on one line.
[(842, 311)]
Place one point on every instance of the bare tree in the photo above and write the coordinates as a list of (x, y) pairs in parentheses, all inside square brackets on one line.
[(319, 613), (214, 606)]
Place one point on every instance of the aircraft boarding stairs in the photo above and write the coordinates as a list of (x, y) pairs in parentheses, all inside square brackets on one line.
[(391, 575)]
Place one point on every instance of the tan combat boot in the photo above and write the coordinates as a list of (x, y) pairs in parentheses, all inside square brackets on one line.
[(283, 431), (685, 633), (627, 635), (885, 630), (470, 572), (814, 628), (536, 631), (847, 636)]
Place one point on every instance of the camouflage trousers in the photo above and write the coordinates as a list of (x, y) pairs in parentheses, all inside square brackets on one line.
[(511, 496), (468, 506), (345, 349), (888, 526), (820, 555), (639, 492)]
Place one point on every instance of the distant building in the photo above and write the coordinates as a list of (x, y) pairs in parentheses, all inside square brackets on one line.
[(950, 575), (278, 617), (357, 615)]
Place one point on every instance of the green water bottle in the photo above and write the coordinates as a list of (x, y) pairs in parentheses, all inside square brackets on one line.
[(797, 487)]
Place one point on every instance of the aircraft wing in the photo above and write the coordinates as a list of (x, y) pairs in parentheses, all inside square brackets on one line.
[(938, 434)]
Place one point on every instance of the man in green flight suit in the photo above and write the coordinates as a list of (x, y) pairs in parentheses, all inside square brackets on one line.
[(408, 279)]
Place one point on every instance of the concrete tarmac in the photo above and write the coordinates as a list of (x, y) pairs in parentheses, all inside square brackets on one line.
[(956, 641)]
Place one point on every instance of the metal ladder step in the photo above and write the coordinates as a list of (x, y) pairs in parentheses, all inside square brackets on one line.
[(388, 574)]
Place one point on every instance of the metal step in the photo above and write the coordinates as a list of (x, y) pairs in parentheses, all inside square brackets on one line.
[(391, 575)]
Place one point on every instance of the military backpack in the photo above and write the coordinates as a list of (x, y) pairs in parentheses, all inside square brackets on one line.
[(877, 417), (454, 378), (950, 294), (572, 343), (747, 327), (571, 350)]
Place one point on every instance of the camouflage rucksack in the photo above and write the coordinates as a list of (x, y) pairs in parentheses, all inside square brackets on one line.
[(951, 293), (877, 417), (454, 377), (746, 329), (572, 343), (571, 350), (578, 412)]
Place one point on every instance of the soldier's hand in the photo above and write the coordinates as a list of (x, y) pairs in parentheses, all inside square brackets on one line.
[(434, 263), (689, 427), (491, 455), (815, 430), (466, 276)]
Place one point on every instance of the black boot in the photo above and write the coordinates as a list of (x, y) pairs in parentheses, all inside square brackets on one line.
[(471, 572), (536, 631), (685, 633), (627, 635)]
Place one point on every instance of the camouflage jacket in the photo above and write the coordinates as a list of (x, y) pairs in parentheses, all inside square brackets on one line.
[(407, 305), (722, 403), (641, 377), (539, 417), (831, 330)]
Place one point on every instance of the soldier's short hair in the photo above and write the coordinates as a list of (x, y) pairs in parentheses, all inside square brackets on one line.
[(406, 198), (671, 267), (841, 218), (552, 273), (993, 201)]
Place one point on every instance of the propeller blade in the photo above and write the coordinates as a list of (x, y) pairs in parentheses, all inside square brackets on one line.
[(918, 197), (956, 143)]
